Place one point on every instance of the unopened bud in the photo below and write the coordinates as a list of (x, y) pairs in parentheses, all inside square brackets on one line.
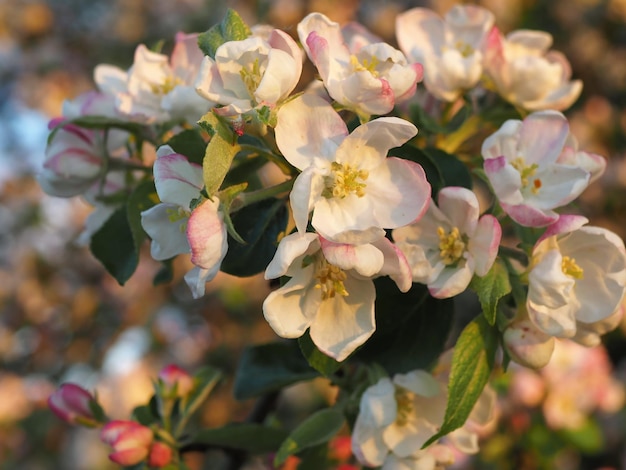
[(71, 403), (177, 381), (527, 345), (130, 440), (160, 455)]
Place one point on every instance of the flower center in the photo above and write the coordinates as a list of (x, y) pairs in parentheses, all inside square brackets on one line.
[(365, 65), (464, 48), (451, 245), (174, 215), (404, 403), (166, 86), (526, 172), (330, 279), (251, 76), (570, 268), (344, 180)]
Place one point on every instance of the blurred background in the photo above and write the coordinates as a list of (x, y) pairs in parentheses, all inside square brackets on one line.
[(63, 318)]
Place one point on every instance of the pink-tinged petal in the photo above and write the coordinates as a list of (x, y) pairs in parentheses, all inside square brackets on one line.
[(559, 99), (177, 180), (460, 206), (396, 266), (419, 382), (309, 127), (367, 146), (503, 142), (113, 430), (451, 281), (70, 403), (538, 41), (289, 249), (306, 192), (591, 162), (356, 36), (399, 193), (484, 244), (505, 180), (529, 216), (495, 61), (323, 42), (343, 323), (527, 345), (166, 227), (419, 31), (160, 455), (129, 457), (362, 91), (281, 76), (206, 233), (366, 259), (186, 57), (542, 137), (284, 308), (470, 23)]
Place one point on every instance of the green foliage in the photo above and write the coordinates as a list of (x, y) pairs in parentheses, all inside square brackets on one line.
[(491, 288), (428, 125), (219, 153), (318, 360), (147, 414), (317, 429), (259, 225), (232, 28), (472, 363), (411, 328), (190, 144), (204, 381), (249, 437), (268, 367)]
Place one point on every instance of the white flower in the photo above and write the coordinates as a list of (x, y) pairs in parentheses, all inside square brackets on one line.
[(577, 278), (331, 291), (522, 162), (177, 229), (157, 88), (365, 76), (450, 49), (526, 74), (348, 182), (450, 243), (251, 73)]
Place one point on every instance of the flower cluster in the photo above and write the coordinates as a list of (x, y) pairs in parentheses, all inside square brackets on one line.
[(361, 194)]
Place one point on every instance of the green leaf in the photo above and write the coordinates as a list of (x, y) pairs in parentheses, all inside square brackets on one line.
[(268, 367), (205, 380), (322, 363), (165, 274), (411, 328), (319, 428), (142, 198), (588, 438), (426, 123), (249, 437), (259, 225), (219, 153), (453, 172), (147, 414), (491, 288), (190, 144), (472, 363), (113, 245), (232, 28)]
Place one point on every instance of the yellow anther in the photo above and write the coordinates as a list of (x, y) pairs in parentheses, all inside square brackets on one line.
[(464, 48), (404, 404), (451, 245), (526, 172), (570, 268), (175, 215), (330, 279), (344, 180), (251, 76), (365, 65), (166, 86)]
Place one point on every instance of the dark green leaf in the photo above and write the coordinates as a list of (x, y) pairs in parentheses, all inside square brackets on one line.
[(491, 288), (425, 123), (142, 198), (232, 28), (588, 438), (453, 172), (147, 414), (260, 225), (458, 119), (204, 382), (219, 154), (249, 437), (114, 247), (190, 144), (411, 328), (472, 363), (269, 367), (318, 360), (319, 428), (165, 274), (315, 458)]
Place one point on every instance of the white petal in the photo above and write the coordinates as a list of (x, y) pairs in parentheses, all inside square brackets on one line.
[(168, 237), (177, 180)]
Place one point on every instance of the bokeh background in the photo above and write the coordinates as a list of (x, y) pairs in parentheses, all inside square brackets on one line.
[(62, 318)]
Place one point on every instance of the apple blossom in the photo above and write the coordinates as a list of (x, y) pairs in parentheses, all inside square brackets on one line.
[(590, 162), (525, 73), (526, 344), (523, 164), (449, 48), (251, 73), (348, 182), (365, 76), (177, 381), (157, 88), (71, 403), (577, 278), (450, 243), (331, 291), (177, 228), (130, 440)]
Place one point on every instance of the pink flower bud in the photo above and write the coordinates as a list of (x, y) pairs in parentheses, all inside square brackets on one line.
[(527, 345), (177, 381), (160, 455), (71, 403), (130, 440)]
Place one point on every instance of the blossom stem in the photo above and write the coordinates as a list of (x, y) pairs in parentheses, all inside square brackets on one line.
[(512, 253), (245, 199), (278, 160), (119, 164)]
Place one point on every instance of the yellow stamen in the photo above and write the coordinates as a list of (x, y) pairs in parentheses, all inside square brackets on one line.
[(451, 245), (175, 215), (251, 77), (464, 48), (330, 280), (344, 180), (168, 85), (404, 403), (526, 172), (365, 65), (570, 268)]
